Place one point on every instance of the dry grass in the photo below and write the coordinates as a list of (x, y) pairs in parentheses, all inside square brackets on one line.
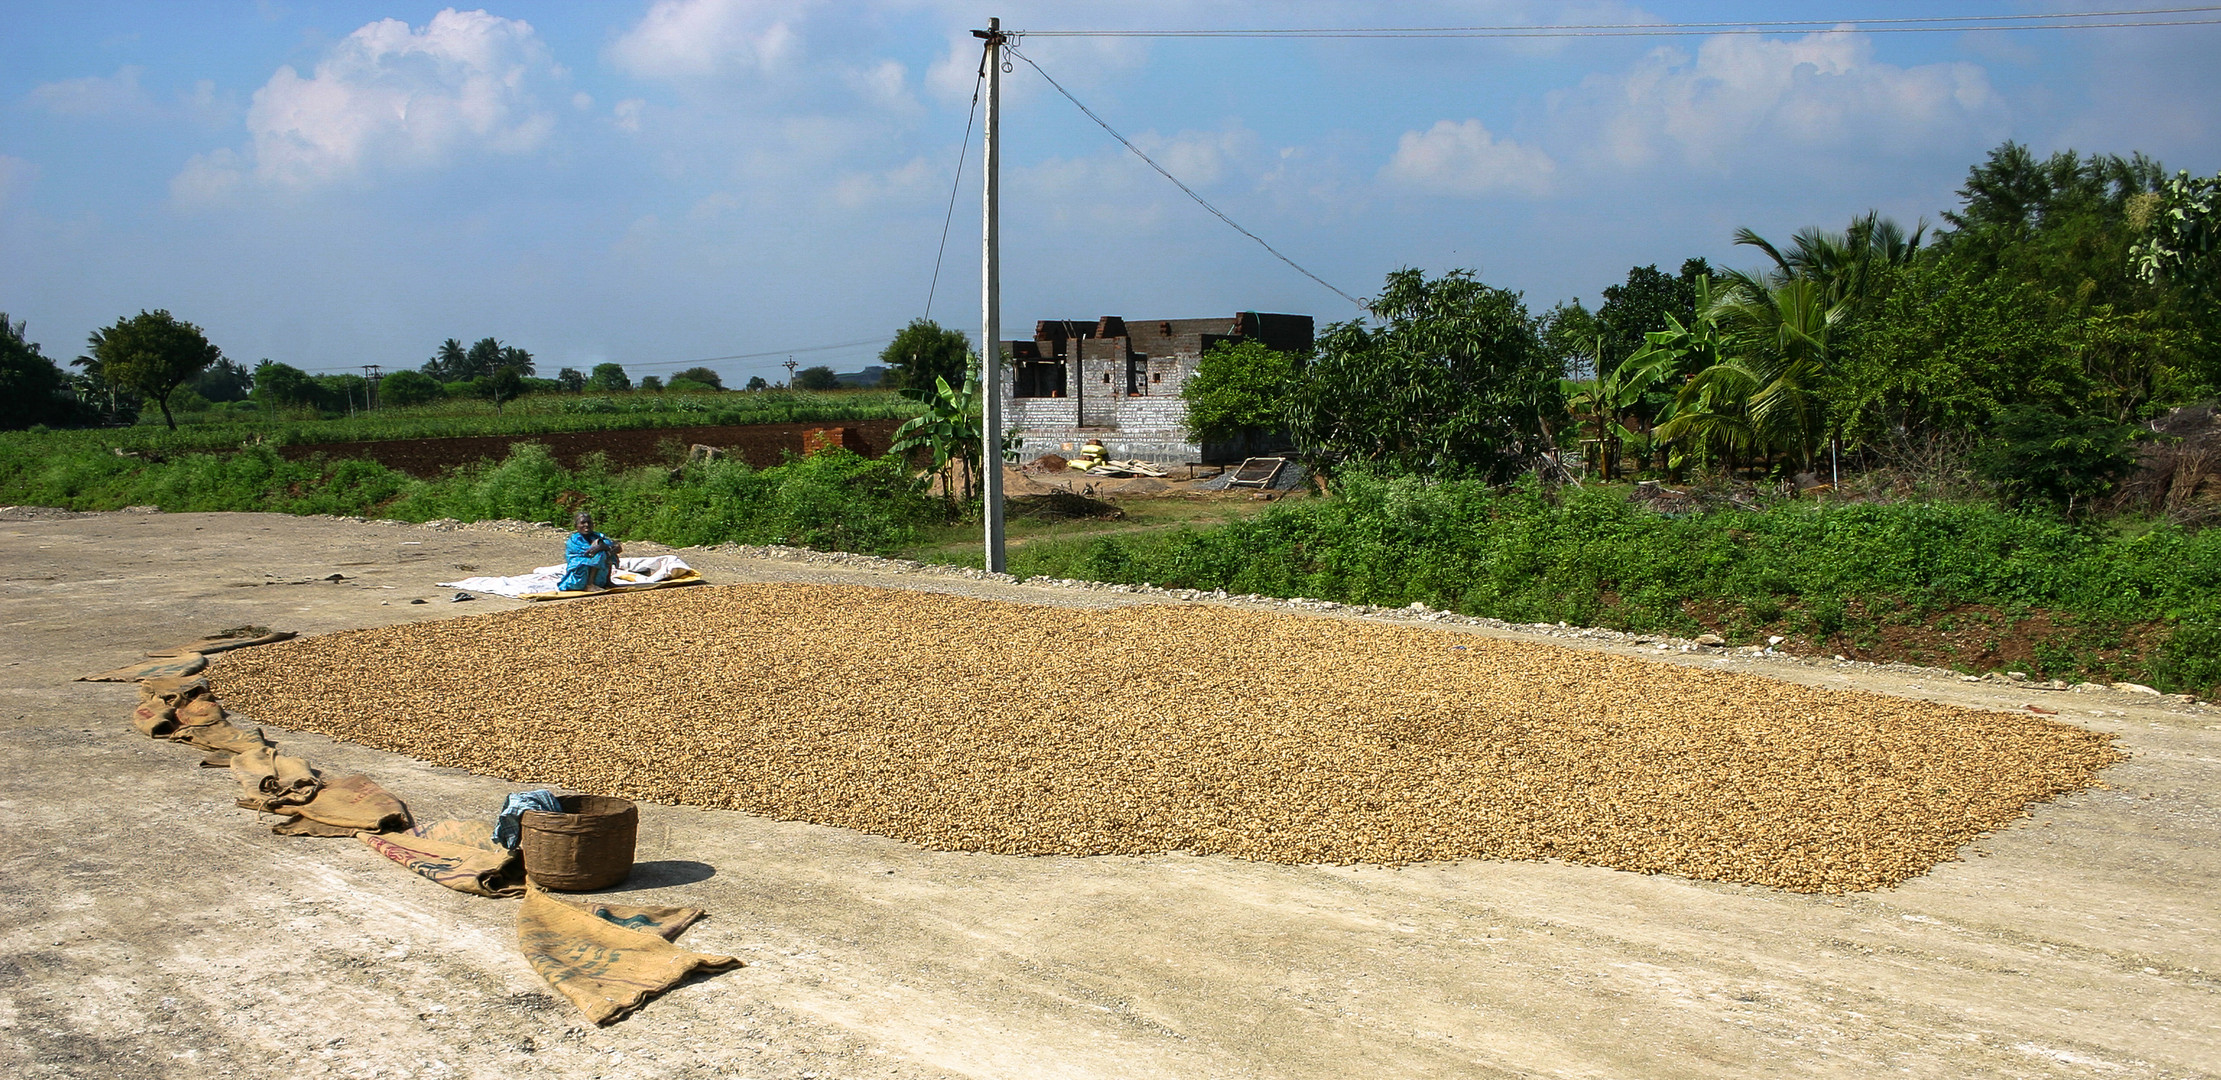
[(982, 726)]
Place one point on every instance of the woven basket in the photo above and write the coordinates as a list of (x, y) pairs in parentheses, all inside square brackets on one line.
[(588, 846)]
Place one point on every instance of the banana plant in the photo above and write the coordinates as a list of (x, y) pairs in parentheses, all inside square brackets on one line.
[(949, 429)]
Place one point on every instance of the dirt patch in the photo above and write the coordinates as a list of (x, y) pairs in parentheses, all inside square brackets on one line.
[(760, 445), (1160, 728)]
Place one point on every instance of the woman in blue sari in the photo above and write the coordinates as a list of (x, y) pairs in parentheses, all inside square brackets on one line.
[(588, 557)]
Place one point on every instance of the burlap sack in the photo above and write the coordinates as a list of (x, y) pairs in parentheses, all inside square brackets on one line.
[(225, 642), (344, 807), (154, 719), (271, 780), (175, 689), (151, 669), (609, 960), (199, 712), (461, 855), (225, 739)]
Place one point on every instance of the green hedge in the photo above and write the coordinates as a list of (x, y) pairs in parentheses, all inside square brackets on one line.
[(2141, 605)]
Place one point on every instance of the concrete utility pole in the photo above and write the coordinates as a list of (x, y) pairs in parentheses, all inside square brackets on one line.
[(370, 378), (991, 309), (790, 365)]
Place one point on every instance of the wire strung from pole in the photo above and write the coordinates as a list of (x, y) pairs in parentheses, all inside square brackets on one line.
[(1162, 171), (955, 186), (1933, 24)]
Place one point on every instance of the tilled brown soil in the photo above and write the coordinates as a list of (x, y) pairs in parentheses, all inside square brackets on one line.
[(964, 724)]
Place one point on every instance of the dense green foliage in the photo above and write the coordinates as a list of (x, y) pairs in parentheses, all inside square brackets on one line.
[(2061, 461), (32, 389), (2144, 606), (833, 500), (1451, 383), (152, 354), (923, 352), (816, 378), (1237, 391)]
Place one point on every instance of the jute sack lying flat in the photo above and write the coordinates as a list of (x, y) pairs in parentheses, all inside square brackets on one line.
[(224, 643), (344, 807), (151, 669), (225, 739), (611, 959), (271, 780), (461, 855)]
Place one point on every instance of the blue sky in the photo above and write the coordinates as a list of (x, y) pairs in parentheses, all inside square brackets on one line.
[(335, 184)]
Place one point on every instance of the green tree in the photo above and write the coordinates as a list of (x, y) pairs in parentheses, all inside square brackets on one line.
[(285, 386), (32, 389), (570, 380), (2181, 229), (449, 363), (517, 360), (1763, 394), (1452, 382), (403, 388), (651, 384), (483, 359), (1851, 268), (1641, 305), (504, 384), (153, 353), (1947, 350), (2061, 222), (923, 352), (1238, 392), (2042, 457), (816, 378), (223, 381), (608, 379), (708, 378), (756, 382)]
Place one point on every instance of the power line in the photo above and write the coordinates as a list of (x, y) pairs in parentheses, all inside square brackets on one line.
[(1935, 24), (954, 185), (1199, 200)]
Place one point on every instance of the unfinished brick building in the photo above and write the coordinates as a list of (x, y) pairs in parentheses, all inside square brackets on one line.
[(1119, 381)]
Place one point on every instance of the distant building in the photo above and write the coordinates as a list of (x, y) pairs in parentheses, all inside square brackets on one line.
[(1119, 381), (869, 377)]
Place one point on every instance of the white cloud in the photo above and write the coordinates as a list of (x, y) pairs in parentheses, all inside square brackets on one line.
[(1463, 159), (627, 113), (694, 39), (94, 95), (1822, 90), (911, 181), (390, 97), (885, 85)]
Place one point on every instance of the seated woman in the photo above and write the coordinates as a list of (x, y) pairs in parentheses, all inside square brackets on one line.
[(588, 557)]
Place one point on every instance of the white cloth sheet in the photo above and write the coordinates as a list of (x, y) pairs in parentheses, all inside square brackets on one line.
[(544, 579)]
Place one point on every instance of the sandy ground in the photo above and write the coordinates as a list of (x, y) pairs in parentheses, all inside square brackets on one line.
[(149, 929)]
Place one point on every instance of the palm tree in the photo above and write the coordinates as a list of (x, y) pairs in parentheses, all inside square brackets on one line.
[(1850, 266), (1763, 394)]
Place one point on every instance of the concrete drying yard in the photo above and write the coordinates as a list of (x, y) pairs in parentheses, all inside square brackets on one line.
[(150, 929)]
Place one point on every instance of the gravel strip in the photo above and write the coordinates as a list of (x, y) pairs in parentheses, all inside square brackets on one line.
[(965, 724)]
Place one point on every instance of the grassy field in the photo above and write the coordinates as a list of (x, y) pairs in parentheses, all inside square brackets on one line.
[(1955, 584), (231, 428)]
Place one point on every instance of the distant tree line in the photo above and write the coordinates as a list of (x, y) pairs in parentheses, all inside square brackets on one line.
[(2065, 300)]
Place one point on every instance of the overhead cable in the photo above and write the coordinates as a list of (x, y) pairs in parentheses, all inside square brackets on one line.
[(1191, 193), (1933, 24), (955, 185)]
